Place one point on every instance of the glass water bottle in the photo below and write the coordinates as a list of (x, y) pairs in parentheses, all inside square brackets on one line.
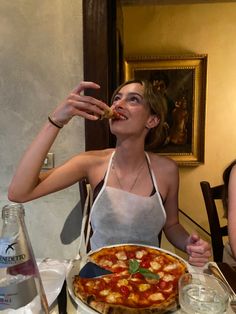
[(21, 289)]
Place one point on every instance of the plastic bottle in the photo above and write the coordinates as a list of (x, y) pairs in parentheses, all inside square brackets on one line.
[(21, 289)]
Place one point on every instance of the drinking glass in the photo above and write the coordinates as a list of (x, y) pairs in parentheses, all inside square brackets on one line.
[(201, 293)]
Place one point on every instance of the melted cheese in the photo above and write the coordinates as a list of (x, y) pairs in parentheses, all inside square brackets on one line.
[(140, 254), (135, 279), (143, 287), (159, 259), (168, 277), (122, 282), (105, 262), (112, 297), (106, 279), (134, 297), (169, 289), (155, 265), (170, 267), (120, 264), (121, 255), (152, 281), (104, 292), (156, 297), (90, 284)]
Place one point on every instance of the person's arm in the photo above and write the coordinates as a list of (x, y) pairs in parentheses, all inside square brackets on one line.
[(197, 249), (232, 210), (172, 226), (27, 183)]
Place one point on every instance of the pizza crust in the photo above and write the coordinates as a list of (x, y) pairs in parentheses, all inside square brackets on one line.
[(105, 308)]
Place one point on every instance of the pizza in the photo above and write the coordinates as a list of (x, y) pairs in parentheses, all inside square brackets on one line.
[(143, 280), (110, 114)]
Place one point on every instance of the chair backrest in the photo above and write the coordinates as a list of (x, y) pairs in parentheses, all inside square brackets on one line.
[(83, 195), (83, 192), (83, 188), (210, 194)]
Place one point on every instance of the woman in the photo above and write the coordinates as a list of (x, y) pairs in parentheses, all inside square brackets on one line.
[(132, 185), (229, 201)]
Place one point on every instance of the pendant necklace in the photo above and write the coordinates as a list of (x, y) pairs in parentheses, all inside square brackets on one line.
[(136, 178)]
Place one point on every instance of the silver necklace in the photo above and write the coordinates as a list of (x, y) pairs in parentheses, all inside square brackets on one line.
[(136, 178)]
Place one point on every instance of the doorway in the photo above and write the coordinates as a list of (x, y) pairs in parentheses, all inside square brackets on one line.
[(103, 61)]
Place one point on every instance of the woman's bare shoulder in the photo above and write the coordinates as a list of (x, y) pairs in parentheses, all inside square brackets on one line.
[(96, 164), (90, 164), (166, 173), (94, 155), (163, 162), (93, 159), (233, 170)]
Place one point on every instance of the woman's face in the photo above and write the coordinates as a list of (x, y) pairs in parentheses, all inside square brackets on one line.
[(130, 104)]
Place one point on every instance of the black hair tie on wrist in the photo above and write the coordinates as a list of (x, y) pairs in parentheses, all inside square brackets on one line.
[(56, 124)]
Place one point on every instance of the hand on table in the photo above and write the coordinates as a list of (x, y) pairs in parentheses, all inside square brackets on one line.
[(199, 251)]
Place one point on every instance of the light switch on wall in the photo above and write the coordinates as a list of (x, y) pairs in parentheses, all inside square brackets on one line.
[(49, 161)]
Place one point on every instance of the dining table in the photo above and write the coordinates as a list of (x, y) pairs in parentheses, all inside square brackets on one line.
[(60, 299)]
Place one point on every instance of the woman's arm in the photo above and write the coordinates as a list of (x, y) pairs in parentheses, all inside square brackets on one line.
[(198, 250), (174, 231), (232, 210), (27, 184)]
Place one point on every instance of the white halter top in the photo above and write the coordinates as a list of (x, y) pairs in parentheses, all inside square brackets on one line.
[(119, 216)]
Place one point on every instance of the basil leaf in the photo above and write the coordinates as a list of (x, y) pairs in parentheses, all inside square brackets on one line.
[(148, 274), (133, 266)]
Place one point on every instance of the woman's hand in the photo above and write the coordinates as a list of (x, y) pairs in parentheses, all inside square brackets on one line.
[(199, 251), (77, 104)]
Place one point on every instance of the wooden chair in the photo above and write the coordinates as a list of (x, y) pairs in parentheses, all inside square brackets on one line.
[(83, 188), (83, 192), (210, 195)]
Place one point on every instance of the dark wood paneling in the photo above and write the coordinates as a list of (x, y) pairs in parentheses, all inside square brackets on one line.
[(100, 62)]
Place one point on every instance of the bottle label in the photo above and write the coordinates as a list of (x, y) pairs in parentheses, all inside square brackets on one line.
[(17, 294), (13, 251)]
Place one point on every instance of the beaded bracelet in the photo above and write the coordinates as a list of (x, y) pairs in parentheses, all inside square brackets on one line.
[(56, 124)]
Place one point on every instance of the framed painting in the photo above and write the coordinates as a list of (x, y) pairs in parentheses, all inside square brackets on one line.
[(182, 81)]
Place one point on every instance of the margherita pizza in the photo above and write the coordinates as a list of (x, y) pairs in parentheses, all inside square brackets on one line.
[(144, 280)]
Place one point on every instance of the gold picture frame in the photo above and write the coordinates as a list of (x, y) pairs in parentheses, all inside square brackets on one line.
[(182, 79)]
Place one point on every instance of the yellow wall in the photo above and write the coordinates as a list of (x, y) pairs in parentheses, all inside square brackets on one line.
[(195, 28)]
